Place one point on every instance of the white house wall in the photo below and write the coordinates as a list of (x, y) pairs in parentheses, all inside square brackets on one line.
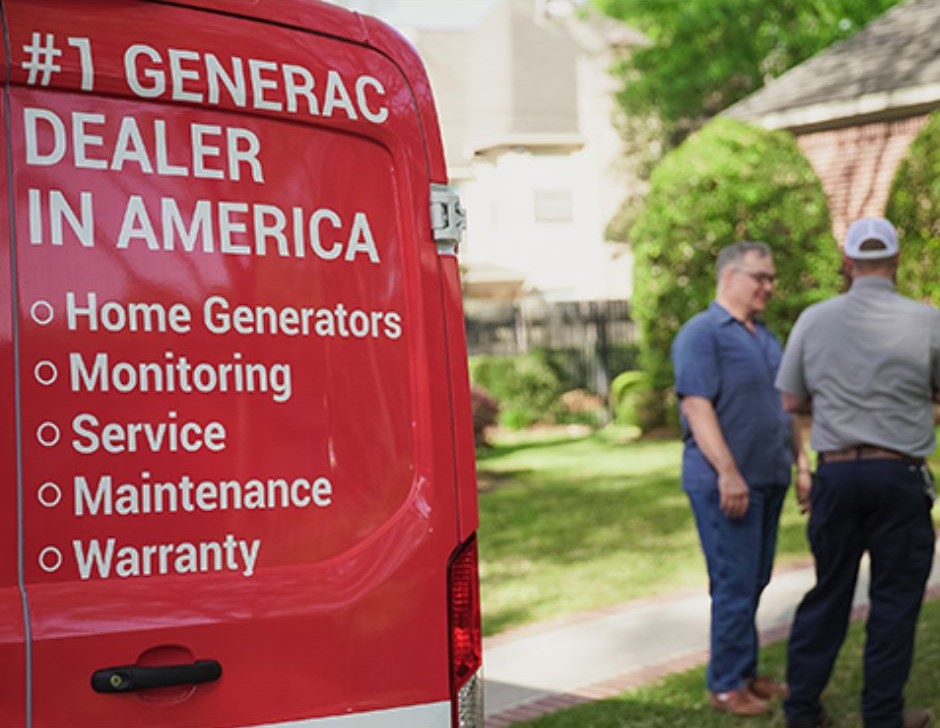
[(526, 109), (560, 260)]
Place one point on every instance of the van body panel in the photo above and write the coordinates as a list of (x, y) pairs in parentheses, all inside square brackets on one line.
[(465, 454), (12, 627), (235, 344), (431, 715), (377, 35)]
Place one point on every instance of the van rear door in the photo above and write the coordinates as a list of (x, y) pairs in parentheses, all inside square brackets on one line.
[(12, 635), (225, 341)]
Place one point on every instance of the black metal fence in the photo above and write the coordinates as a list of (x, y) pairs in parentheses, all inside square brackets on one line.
[(595, 340)]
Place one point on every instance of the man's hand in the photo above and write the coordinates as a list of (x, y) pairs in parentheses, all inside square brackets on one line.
[(700, 414), (735, 496), (804, 484)]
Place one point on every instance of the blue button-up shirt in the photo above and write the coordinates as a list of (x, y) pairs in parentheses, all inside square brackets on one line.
[(716, 357)]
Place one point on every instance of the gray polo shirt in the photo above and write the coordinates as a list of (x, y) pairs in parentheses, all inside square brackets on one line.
[(870, 361)]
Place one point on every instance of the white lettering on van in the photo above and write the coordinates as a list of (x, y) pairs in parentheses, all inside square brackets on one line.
[(56, 210), (101, 558), (83, 138), (299, 83), (232, 79), (100, 373), (182, 74), (92, 435), (107, 497), (210, 151), (221, 316), (240, 228), (113, 316), (378, 116), (337, 97), (260, 85), (154, 84), (31, 123)]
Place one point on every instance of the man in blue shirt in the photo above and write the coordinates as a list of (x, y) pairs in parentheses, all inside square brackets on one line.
[(739, 448)]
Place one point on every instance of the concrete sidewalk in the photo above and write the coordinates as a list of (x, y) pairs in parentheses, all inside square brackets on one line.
[(543, 668)]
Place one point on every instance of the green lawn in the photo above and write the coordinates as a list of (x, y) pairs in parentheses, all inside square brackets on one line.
[(568, 524), (574, 524), (678, 701)]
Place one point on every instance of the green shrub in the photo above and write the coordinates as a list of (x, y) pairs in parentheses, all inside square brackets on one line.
[(566, 365), (528, 390), (728, 182), (635, 403), (914, 208), (621, 357), (625, 393), (575, 366), (582, 407)]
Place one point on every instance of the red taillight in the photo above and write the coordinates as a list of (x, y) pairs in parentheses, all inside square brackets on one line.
[(466, 642)]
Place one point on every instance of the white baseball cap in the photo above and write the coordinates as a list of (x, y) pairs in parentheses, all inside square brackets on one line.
[(871, 228)]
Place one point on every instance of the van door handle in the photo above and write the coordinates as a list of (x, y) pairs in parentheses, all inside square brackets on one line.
[(134, 677)]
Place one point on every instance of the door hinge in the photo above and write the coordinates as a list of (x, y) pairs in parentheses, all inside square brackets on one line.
[(448, 219)]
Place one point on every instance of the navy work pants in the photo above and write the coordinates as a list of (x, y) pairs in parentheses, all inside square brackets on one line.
[(877, 506), (739, 555)]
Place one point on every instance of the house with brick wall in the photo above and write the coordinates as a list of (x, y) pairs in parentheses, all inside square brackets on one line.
[(856, 107)]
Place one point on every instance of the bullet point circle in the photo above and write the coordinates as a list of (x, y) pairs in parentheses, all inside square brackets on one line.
[(47, 434), (49, 494), (42, 312), (46, 372), (50, 559)]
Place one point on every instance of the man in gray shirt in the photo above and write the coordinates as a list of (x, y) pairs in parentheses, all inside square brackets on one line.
[(866, 365)]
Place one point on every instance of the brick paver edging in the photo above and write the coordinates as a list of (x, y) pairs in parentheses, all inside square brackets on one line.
[(590, 614), (622, 683)]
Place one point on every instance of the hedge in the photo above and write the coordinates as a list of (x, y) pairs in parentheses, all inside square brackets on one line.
[(728, 182), (914, 208), (527, 388)]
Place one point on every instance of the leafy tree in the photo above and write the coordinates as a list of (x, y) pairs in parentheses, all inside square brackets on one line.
[(914, 208), (704, 55), (730, 181)]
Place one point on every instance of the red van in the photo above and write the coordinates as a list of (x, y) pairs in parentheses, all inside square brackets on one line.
[(238, 484)]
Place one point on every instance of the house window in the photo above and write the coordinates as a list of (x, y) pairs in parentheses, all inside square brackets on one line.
[(553, 205)]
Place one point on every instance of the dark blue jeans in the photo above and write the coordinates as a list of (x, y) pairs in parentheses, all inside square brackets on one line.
[(739, 555), (877, 506)]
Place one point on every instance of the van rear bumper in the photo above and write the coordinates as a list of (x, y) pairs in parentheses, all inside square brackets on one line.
[(428, 715)]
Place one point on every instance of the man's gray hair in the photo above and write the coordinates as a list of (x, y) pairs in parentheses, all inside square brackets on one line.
[(735, 253)]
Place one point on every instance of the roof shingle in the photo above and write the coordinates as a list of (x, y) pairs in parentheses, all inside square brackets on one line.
[(890, 65)]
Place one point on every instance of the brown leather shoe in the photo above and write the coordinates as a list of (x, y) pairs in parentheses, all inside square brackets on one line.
[(738, 702), (766, 688), (917, 718)]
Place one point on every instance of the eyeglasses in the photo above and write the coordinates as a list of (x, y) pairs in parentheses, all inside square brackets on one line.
[(761, 278)]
